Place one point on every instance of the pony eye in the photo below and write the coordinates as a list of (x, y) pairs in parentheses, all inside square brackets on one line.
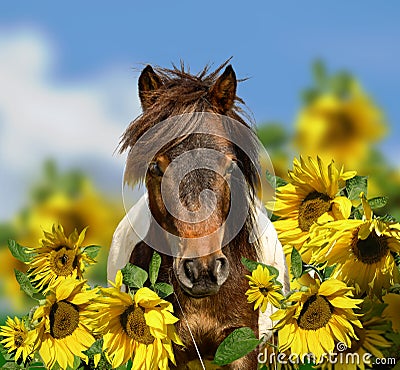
[(155, 169)]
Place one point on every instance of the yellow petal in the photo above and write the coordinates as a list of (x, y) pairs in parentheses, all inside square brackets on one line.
[(341, 208), (154, 319)]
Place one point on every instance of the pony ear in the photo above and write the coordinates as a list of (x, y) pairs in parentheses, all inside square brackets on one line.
[(223, 92), (149, 81)]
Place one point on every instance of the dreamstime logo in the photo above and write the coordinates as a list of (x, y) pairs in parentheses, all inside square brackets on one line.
[(340, 356), (173, 136)]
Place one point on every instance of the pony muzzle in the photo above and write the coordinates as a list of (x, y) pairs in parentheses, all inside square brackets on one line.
[(202, 276)]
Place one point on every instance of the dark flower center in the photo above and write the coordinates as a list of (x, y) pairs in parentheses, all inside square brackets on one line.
[(63, 261), (134, 325), (341, 129), (264, 291), (311, 208), (19, 338), (64, 319), (315, 313), (370, 250)]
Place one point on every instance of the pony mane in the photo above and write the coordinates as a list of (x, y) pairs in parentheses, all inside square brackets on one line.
[(181, 92)]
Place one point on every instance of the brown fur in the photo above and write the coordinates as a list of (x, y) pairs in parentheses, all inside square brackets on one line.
[(168, 93)]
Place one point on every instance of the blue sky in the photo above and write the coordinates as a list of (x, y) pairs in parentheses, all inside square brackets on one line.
[(81, 60)]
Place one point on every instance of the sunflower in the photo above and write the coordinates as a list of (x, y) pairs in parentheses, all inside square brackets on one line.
[(262, 289), (316, 317), (64, 329), (312, 191), (17, 338), (370, 341), (361, 250), (333, 126), (140, 328), (57, 258), (391, 312)]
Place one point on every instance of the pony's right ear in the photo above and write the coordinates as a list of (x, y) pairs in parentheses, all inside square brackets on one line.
[(149, 81)]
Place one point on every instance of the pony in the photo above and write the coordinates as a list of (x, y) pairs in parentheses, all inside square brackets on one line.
[(203, 259)]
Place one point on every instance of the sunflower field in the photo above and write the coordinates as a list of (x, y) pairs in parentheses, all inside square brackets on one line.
[(336, 212)]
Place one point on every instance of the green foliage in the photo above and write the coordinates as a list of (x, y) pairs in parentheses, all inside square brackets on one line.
[(92, 250), (357, 212), (3, 353), (95, 349), (378, 202), (236, 345), (163, 289), (25, 283), (134, 276), (272, 135), (11, 366), (338, 83), (154, 267), (296, 263), (275, 181), (19, 252), (328, 270), (69, 183), (252, 265), (355, 186), (7, 232), (319, 73)]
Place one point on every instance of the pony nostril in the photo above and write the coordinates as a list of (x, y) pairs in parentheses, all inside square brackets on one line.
[(191, 270), (218, 266), (221, 270)]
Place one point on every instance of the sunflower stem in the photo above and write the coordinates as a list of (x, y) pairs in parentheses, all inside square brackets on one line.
[(313, 268)]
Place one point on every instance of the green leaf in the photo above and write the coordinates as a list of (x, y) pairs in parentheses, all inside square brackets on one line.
[(272, 135), (19, 252), (36, 366), (319, 73), (2, 360), (328, 271), (154, 267), (92, 251), (133, 276), (378, 202), (75, 365), (77, 362), (25, 283), (395, 288), (11, 365), (387, 218), (357, 212), (252, 265), (163, 289), (129, 365), (397, 366), (372, 309), (309, 95), (340, 84), (275, 181), (297, 263), (4, 355), (393, 337), (236, 345), (95, 349), (355, 186)]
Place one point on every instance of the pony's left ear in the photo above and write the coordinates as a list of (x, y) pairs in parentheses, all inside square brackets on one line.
[(149, 81), (223, 93)]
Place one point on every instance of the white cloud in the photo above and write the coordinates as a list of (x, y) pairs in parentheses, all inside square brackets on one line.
[(41, 118)]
